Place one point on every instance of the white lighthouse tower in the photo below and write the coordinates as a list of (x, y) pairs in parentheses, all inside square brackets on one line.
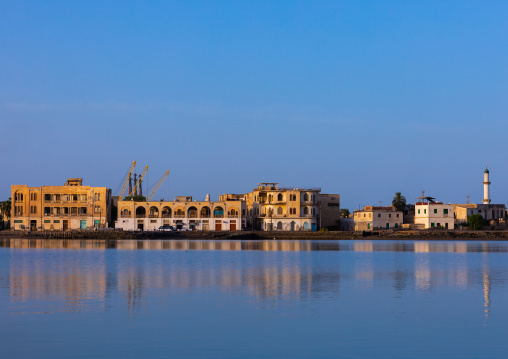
[(486, 186)]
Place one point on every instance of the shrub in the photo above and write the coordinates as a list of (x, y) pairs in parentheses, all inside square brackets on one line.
[(475, 221)]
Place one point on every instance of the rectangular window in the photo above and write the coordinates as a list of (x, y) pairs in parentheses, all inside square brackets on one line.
[(445, 211), (47, 211), (435, 210), (390, 215), (56, 221), (18, 221), (47, 197), (379, 214), (397, 215), (418, 211), (432, 225), (47, 221), (439, 224), (425, 211)]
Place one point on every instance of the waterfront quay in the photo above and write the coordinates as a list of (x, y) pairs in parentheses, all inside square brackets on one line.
[(75, 209)]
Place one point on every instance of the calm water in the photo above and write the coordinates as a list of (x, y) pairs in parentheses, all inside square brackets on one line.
[(253, 299)]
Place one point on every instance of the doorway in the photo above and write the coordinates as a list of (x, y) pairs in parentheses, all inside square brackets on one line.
[(65, 224), (232, 226), (33, 225), (218, 225)]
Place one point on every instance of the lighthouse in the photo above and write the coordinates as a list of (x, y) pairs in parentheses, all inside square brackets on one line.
[(486, 186)]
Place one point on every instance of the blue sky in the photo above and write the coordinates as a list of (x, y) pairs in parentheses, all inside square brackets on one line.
[(361, 98)]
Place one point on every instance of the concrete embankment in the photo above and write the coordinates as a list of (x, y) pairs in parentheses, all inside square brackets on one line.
[(331, 235)]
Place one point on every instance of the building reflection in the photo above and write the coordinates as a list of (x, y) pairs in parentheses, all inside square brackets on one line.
[(91, 279)]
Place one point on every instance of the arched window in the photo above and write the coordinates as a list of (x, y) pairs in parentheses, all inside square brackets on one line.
[(205, 212), (279, 210), (313, 198), (279, 197), (154, 212), (140, 212), (306, 225), (313, 211), (166, 212), (305, 210), (270, 198), (305, 197), (192, 212), (218, 212), (279, 225)]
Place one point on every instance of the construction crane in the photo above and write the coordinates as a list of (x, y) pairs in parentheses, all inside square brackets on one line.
[(138, 182), (156, 188), (127, 180)]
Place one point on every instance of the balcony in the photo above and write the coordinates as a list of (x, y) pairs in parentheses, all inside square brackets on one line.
[(179, 215), (233, 216)]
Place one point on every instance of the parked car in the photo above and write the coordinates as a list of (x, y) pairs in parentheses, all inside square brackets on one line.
[(166, 228)]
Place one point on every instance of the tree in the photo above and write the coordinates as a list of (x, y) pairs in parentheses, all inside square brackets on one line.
[(345, 212), (135, 198), (475, 221), (399, 201), (5, 208)]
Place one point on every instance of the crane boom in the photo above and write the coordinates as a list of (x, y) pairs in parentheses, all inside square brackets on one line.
[(138, 182), (157, 186), (124, 188)]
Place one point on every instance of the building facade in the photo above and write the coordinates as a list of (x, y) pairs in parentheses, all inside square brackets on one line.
[(182, 214), (274, 208), (329, 210), (375, 218), (71, 206), (434, 215)]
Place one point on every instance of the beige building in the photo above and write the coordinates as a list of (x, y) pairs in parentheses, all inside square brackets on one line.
[(374, 218), (434, 215), (270, 208), (71, 206), (182, 214)]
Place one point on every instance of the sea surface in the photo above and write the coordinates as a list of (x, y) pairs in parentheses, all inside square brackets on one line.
[(253, 299)]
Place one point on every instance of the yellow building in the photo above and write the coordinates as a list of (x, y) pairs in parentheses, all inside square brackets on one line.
[(71, 206), (372, 217), (182, 214), (270, 207)]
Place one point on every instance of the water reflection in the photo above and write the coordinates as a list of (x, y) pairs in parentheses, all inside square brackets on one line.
[(264, 245), (81, 280)]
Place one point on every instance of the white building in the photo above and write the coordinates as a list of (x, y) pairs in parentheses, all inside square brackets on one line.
[(434, 215)]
